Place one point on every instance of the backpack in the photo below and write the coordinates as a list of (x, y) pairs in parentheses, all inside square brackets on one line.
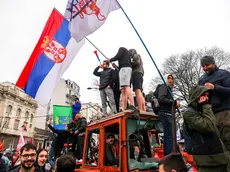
[(155, 103)]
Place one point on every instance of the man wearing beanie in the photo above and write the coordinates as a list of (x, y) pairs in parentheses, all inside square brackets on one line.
[(219, 81)]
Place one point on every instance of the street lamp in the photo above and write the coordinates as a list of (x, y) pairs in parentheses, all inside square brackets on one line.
[(90, 88)]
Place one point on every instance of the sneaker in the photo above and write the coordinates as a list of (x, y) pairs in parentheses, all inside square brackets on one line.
[(80, 160), (131, 107)]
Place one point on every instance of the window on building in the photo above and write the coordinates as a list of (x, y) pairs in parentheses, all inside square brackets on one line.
[(69, 92), (8, 110), (18, 113), (26, 116), (92, 148), (31, 118), (11, 144), (16, 124), (6, 122)]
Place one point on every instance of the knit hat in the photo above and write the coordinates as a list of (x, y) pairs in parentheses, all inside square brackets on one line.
[(207, 60)]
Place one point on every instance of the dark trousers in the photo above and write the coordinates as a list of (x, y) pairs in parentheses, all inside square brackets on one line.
[(223, 125), (117, 95), (166, 119), (80, 147), (77, 146)]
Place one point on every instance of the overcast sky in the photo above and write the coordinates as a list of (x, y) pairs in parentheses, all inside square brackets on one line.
[(166, 26)]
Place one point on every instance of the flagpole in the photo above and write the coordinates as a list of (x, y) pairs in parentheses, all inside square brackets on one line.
[(96, 47), (142, 43), (173, 109)]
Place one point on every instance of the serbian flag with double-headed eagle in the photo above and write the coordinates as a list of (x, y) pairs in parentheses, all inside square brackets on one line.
[(86, 16), (49, 60)]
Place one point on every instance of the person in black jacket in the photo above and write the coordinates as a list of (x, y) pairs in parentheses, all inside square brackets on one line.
[(125, 73), (115, 86), (105, 87), (78, 138), (219, 81), (3, 166), (58, 143), (165, 112), (111, 150)]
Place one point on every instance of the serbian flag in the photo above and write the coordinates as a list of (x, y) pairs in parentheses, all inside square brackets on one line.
[(21, 142), (86, 16), (49, 60)]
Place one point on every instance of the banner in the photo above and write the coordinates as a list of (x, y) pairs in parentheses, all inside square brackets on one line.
[(51, 57), (62, 115), (86, 16), (21, 142)]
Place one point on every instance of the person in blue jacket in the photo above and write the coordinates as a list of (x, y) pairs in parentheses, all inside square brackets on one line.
[(76, 108)]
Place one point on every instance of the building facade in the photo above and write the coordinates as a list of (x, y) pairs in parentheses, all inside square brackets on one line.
[(42, 138), (17, 114), (91, 111), (64, 95)]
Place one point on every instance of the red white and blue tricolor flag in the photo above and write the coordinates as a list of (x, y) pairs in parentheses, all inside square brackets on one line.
[(49, 60)]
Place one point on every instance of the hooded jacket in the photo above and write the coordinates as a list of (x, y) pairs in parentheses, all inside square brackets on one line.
[(123, 58), (207, 148), (137, 64)]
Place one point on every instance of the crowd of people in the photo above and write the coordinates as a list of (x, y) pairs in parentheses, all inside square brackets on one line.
[(32, 160), (206, 118), (117, 82)]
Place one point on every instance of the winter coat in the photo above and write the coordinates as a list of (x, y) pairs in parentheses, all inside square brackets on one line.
[(62, 135), (207, 147), (137, 64), (221, 96), (105, 77), (165, 99), (76, 108), (81, 125)]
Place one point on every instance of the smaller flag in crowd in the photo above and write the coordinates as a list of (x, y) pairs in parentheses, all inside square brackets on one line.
[(86, 16), (62, 116), (21, 142), (1, 143)]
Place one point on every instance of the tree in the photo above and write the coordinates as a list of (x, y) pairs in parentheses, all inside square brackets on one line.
[(187, 70)]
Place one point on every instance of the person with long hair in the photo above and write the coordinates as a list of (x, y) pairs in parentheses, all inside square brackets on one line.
[(42, 160)]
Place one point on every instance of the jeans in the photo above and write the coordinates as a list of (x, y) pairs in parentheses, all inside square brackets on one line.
[(51, 156), (104, 93), (166, 120)]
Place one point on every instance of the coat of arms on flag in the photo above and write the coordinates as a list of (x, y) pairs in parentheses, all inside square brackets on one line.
[(86, 16), (53, 49)]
